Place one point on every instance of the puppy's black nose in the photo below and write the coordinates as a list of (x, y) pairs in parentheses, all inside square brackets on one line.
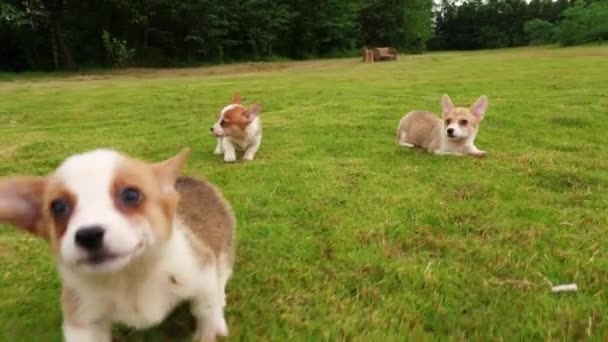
[(211, 129), (450, 131), (90, 238)]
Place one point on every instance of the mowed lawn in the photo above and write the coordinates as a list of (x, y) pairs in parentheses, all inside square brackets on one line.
[(342, 234)]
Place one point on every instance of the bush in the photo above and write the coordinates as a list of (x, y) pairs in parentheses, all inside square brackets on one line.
[(584, 23), (539, 31), (118, 52)]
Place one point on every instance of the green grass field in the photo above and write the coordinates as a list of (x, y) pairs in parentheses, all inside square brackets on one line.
[(342, 234)]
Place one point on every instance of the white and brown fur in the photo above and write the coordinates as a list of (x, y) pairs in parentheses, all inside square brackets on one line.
[(238, 127), (172, 243), (453, 134)]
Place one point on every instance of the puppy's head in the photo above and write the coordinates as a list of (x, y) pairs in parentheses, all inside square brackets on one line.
[(235, 118), (99, 210), (459, 122)]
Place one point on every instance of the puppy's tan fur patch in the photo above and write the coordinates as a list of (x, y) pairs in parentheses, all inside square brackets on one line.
[(236, 116), (156, 205), (58, 225), (213, 226), (21, 203)]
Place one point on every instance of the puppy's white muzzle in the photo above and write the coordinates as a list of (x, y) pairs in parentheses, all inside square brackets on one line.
[(453, 132), (217, 131)]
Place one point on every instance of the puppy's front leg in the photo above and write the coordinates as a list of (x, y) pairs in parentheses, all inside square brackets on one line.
[(208, 309), (474, 151), (218, 148), (446, 153), (251, 150), (77, 327), (229, 153), (98, 332)]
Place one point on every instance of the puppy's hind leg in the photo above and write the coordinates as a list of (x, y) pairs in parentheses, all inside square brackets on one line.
[(224, 271), (402, 141), (251, 150)]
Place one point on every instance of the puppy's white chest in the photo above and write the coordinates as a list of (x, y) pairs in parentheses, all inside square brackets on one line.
[(242, 143), (251, 136), (145, 296), (145, 305), (174, 279)]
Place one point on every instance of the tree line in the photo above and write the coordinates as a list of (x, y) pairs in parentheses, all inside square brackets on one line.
[(67, 34), (55, 34), (478, 24)]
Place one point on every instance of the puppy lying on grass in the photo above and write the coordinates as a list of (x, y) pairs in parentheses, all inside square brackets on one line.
[(453, 134)]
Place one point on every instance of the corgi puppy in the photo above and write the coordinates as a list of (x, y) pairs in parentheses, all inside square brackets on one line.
[(453, 134), (238, 127), (131, 241)]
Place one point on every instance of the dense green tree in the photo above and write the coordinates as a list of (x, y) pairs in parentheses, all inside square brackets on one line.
[(539, 31), (584, 22), (404, 24), (321, 27), (24, 35), (478, 24), (63, 34), (55, 34)]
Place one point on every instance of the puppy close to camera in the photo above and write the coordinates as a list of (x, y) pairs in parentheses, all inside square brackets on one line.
[(238, 127), (131, 241), (453, 134)]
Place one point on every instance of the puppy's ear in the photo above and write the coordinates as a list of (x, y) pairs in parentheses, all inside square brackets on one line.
[(479, 107), (253, 111), (167, 171), (21, 203), (446, 104), (236, 98)]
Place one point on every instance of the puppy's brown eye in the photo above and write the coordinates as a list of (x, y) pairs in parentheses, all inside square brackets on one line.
[(463, 122), (448, 121), (131, 197), (223, 122), (60, 208)]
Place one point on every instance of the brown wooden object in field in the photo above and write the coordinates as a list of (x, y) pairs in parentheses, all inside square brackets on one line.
[(384, 54), (368, 56)]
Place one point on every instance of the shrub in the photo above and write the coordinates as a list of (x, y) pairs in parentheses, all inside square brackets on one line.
[(118, 52), (539, 31)]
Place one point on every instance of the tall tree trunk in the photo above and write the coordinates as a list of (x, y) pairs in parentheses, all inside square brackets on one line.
[(54, 47), (60, 48), (146, 38)]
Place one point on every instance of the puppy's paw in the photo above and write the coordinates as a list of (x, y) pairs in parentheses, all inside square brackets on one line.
[(218, 151), (209, 338), (248, 157), (204, 339), (229, 158), (479, 154), (404, 144), (209, 333)]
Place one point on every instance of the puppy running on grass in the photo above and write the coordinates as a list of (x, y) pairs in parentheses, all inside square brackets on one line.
[(453, 134), (132, 240), (238, 127)]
